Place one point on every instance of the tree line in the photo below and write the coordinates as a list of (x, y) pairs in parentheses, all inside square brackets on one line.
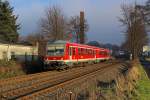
[(136, 20), (8, 24), (55, 25)]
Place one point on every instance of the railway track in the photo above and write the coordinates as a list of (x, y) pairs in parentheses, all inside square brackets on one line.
[(17, 82), (50, 92), (37, 84)]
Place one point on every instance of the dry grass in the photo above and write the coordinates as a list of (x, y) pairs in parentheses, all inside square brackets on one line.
[(10, 69), (126, 83)]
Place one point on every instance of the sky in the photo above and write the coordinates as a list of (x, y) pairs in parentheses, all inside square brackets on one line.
[(102, 16)]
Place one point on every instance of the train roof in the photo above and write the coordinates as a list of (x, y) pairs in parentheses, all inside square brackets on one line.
[(74, 44), (57, 42)]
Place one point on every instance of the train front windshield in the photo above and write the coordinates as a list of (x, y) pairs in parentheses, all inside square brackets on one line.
[(55, 50)]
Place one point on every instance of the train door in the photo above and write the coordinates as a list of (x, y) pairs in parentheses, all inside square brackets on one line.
[(95, 54), (70, 53)]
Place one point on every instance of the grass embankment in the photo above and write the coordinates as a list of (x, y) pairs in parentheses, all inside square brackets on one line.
[(143, 84), (10, 69), (132, 83)]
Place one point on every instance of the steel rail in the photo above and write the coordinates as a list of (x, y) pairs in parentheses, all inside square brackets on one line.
[(66, 83), (26, 80), (43, 84)]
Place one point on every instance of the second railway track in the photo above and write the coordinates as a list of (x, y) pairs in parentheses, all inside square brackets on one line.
[(41, 82)]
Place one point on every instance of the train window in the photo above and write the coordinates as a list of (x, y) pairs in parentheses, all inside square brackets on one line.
[(79, 51), (106, 53), (73, 51), (90, 51), (86, 51), (83, 51), (93, 52), (102, 53), (70, 51), (66, 50), (55, 50)]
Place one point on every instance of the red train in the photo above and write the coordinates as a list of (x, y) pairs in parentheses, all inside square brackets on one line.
[(62, 53)]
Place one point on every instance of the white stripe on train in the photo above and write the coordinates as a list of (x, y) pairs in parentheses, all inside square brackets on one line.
[(79, 60)]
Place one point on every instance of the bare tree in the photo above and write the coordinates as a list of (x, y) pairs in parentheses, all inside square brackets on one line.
[(76, 26), (33, 38), (145, 9), (53, 25), (136, 36)]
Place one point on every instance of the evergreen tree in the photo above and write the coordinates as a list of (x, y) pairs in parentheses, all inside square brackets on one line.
[(8, 25), (146, 12)]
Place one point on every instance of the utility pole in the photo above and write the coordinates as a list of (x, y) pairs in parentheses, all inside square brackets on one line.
[(82, 33)]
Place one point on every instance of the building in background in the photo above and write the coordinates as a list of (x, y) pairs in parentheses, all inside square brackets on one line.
[(146, 51), (146, 48), (19, 52)]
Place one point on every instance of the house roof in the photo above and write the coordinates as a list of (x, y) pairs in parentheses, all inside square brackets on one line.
[(18, 43)]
